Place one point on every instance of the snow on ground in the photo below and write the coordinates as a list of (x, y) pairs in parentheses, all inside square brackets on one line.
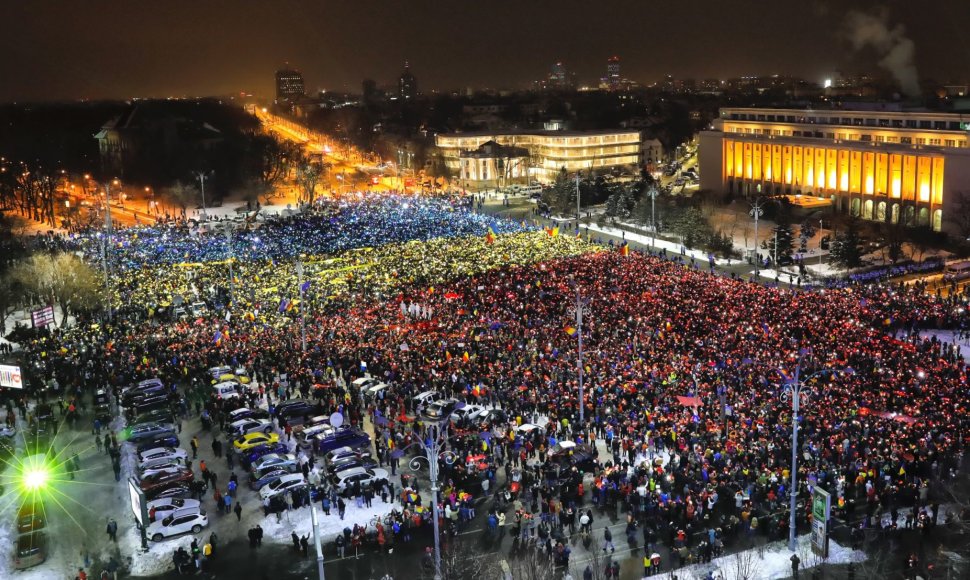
[(158, 558), (298, 521), (658, 243), (775, 562)]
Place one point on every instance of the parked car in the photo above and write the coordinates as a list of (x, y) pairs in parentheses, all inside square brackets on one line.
[(147, 431), (350, 462), (162, 455), (30, 518), (266, 477), (161, 467), (282, 485), (492, 417), (246, 426), (343, 481), (30, 550), (167, 505), (342, 452), (227, 390), (251, 440), (440, 410), (466, 413), (287, 461), (179, 489), (157, 481), (181, 521), (345, 437), (248, 457), (163, 440), (295, 408), (163, 415), (247, 413)]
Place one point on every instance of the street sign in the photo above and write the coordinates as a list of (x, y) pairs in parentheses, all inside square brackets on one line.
[(821, 505), (42, 317), (10, 377)]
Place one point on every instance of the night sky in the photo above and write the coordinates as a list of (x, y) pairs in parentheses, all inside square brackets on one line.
[(93, 49)]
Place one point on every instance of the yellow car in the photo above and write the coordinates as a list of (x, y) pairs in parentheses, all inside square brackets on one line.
[(250, 440)]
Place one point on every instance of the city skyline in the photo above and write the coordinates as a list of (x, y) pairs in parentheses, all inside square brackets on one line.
[(109, 49)]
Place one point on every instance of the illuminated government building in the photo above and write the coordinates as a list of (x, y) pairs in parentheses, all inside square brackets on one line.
[(896, 167), (545, 153)]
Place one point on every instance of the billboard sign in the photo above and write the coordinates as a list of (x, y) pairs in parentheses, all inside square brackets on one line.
[(42, 317), (136, 497), (821, 507), (10, 377)]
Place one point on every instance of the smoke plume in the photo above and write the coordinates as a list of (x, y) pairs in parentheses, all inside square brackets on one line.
[(895, 49)]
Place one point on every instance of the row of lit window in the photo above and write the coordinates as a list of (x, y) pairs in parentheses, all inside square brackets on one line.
[(902, 140), (898, 123), (826, 169)]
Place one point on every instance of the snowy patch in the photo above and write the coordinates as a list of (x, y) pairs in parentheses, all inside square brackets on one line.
[(299, 521), (774, 562)]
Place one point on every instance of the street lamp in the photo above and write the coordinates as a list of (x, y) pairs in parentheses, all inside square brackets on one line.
[(578, 310), (756, 212), (795, 384), (434, 444), (652, 192), (299, 275), (203, 175)]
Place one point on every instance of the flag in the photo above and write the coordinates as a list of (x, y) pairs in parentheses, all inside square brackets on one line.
[(250, 316), (305, 286), (490, 236), (217, 339), (578, 235), (447, 355), (786, 377), (765, 329), (289, 305), (625, 249), (465, 356), (285, 305), (571, 330), (553, 232)]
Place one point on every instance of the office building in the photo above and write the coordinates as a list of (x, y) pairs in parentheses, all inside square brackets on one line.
[(613, 73), (407, 85), (289, 85), (887, 166), (550, 151)]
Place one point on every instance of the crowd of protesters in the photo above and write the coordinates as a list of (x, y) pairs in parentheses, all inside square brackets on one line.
[(685, 386)]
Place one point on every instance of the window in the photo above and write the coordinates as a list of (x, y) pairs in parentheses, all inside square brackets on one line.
[(865, 137), (880, 139), (921, 140), (954, 125), (939, 125), (924, 124), (830, 135), (898, 123), (870, 122), (883, 122), (935, 141), (846, 121), (951, 142), (906, 140), (911, 123)]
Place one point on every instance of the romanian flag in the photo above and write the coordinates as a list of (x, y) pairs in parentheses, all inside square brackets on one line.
[(225, 333), (465, 356), (286, 305), (625, 249), (553, 232), (447, 355), (250, 316), (765, 329), (217, 339), (786, 377), (490, 236), (305, 286), (571, 330), (578, 235)]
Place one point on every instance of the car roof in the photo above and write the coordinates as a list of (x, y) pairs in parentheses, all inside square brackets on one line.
[(225, 384), (343, 474)]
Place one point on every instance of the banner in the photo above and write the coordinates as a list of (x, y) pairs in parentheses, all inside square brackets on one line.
[(10, 377), (42, 317)]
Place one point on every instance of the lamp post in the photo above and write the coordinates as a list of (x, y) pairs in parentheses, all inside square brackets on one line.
[(229, 258), (106, 256), (316, 541), (203, 175), (652, 192), (795, 385), (579, 309), (299, 276), (578, 215), (756, 212), (434, 444)]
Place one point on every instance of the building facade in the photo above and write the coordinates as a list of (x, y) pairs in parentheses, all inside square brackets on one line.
[(494, 165), (550, 151), (895, 167), (289, 85), (407, 84)]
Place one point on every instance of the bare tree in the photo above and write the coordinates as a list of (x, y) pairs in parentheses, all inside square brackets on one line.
[(959, 215), (272, 158), (182, 194), (460, 560), (745, 565), (307, 177), (532, 564)]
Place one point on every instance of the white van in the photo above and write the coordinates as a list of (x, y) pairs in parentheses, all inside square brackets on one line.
[(227, 390)]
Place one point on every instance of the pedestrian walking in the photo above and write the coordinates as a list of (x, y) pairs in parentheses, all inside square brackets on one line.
[(238, 510), (112, 530), (195, 447)]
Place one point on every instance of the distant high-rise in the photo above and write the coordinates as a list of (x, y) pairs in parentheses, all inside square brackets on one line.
[(289, 85), (407, 85), (613, 72)]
